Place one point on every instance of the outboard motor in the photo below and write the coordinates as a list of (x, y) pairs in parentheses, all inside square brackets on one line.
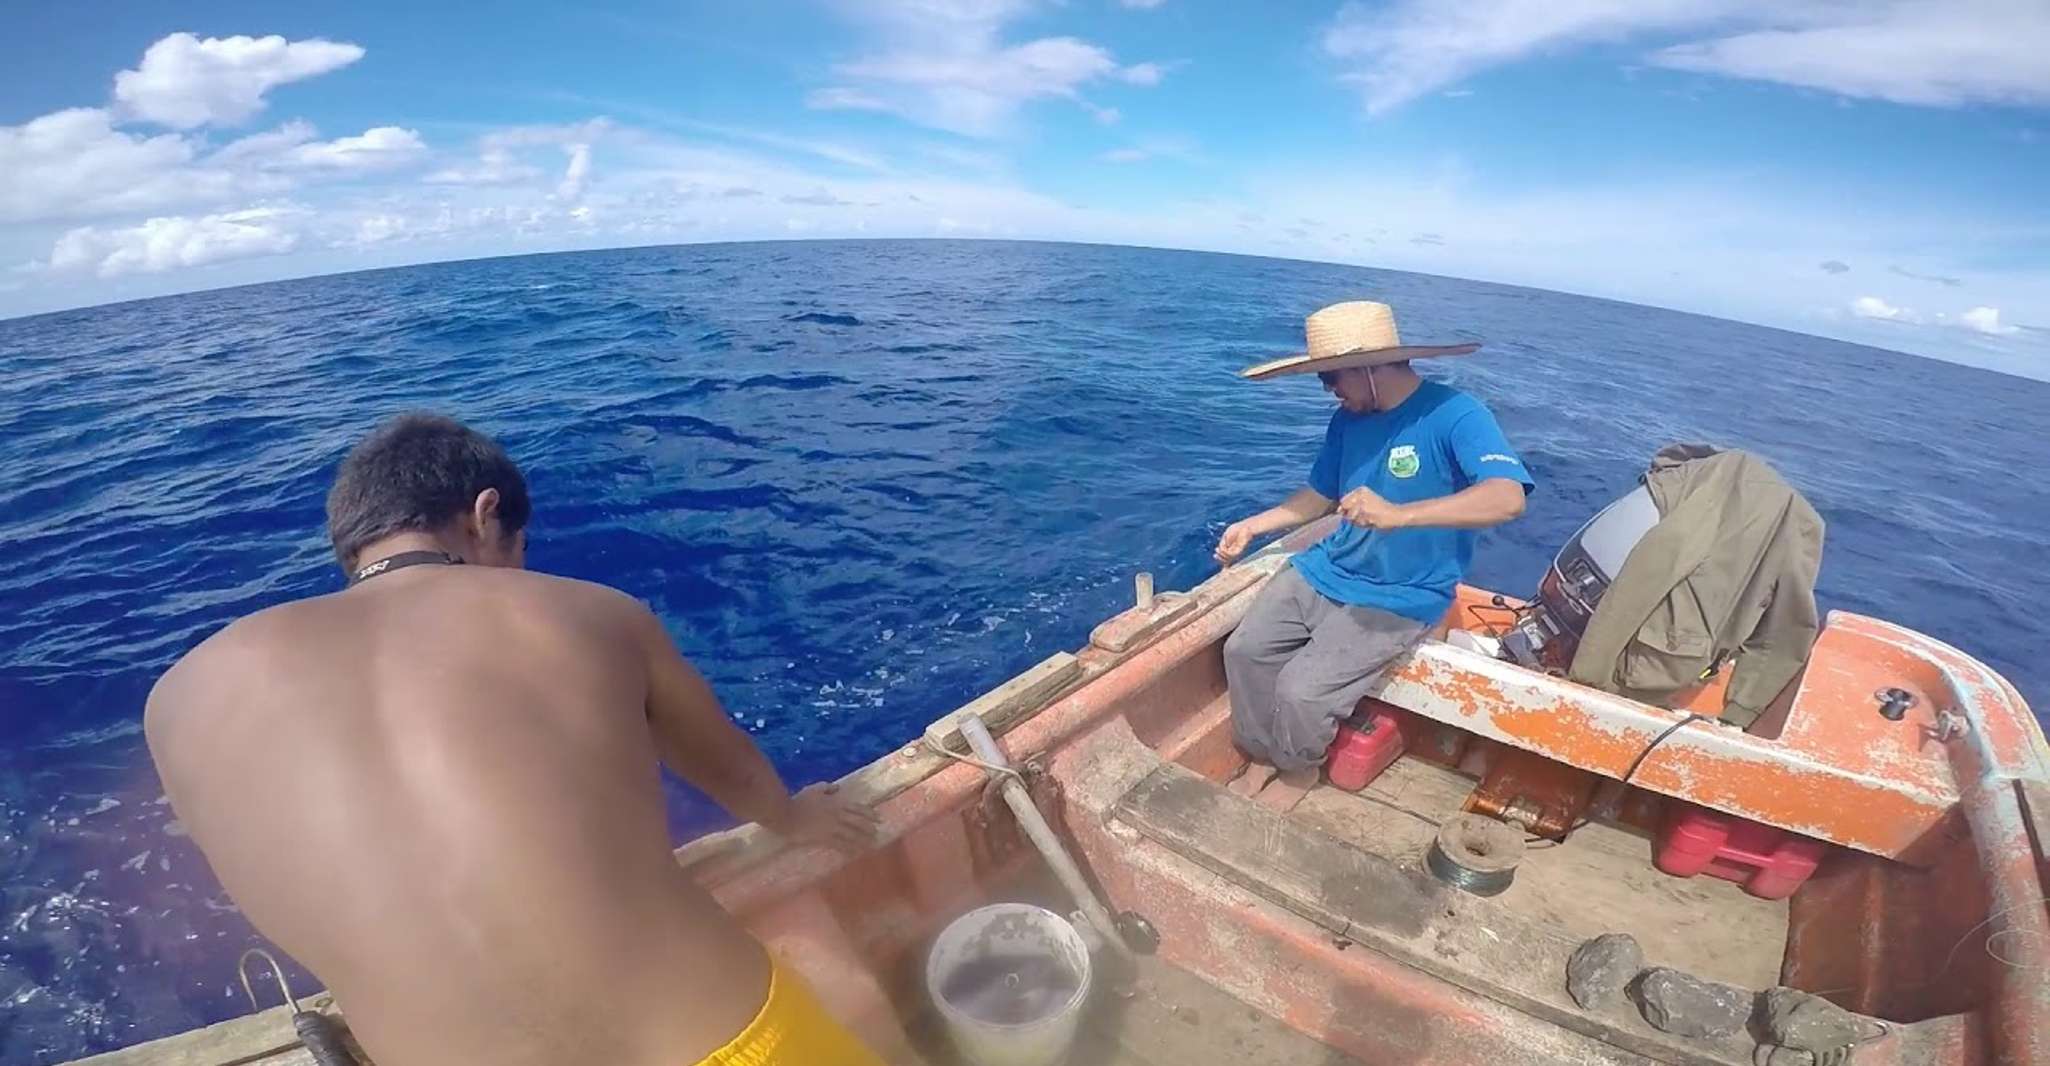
[(1546, 633)]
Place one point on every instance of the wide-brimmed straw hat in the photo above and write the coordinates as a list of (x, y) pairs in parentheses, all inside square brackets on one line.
[(1355, 333)]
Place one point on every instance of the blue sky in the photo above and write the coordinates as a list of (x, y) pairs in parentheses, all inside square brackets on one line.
[(1867, 170)]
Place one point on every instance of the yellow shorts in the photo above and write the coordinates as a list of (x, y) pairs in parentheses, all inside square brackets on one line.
[(793, 1029)]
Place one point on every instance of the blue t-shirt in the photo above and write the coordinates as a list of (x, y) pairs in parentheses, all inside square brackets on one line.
[(1435, 443)]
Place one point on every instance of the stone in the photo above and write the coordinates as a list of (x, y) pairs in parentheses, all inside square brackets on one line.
[(1601, 968), (1808, 1022), (1685, 1005)]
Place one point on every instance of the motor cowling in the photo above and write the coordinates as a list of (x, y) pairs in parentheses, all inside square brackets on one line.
[(1547, 633)]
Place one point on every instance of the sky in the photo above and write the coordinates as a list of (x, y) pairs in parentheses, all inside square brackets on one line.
[(1872, 170)]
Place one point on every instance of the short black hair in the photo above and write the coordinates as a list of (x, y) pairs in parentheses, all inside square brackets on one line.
[(419, 471)]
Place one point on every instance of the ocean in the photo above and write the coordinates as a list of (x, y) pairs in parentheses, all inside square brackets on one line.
[(861, 481)]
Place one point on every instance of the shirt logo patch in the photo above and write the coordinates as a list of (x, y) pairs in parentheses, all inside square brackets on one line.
[(1403, 462)]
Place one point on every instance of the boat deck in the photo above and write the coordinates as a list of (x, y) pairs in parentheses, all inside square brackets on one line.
[(1166, 1017), (1352, 866), (1600, 880)]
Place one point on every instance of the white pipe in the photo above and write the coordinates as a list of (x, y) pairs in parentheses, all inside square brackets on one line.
[(1042, 835)]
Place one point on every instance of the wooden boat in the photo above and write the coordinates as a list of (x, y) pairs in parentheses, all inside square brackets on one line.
[(1315, 935)]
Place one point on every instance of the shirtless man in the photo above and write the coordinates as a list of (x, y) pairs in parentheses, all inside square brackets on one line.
[(438, 790)]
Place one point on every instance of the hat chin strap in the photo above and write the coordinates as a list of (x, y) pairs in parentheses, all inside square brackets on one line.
[(1373, 390)]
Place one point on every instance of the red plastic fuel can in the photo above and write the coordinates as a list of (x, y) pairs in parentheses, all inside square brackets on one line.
[(1366, 745), (1770, 863)]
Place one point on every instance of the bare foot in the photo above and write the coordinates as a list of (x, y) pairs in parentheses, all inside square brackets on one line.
[(1252, 779), (1288, 789)]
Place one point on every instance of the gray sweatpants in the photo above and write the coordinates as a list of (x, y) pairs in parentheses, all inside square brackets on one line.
[(1298, 663)]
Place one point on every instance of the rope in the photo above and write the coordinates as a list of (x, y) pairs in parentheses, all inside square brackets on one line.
[(987, 767)]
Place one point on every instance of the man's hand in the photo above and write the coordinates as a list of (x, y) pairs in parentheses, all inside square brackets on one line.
[(1233, 543), (820, 815), (1365, 508)]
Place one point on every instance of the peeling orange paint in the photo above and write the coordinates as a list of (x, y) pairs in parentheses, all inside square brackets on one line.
[(1838, 771)]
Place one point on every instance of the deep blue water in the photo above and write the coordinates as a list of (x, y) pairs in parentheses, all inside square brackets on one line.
[(862, 481)]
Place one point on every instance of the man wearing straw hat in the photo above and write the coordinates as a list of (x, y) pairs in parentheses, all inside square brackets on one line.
[(1414, 468)]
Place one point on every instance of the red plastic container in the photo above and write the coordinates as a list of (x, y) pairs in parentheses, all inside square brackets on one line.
[(1770, 863), (1366, 745)]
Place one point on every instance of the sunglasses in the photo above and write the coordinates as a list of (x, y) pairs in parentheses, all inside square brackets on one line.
[(1330, 377)]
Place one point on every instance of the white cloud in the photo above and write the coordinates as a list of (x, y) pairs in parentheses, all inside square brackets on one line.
[(975, 92), (378, 229), (162, 244), (1402, 51), (964, 158), (379, 148), (826, 150), (77, 163), (1142, 5), (184, 81), (564, 135), (74, 163), (843, 99), (266, 147), (500, 162), (1941, 53), (292, 147), (495, 166), (1151, 148), (1932, 52), (945, 65), (571, 188), (1148, 74), (1986, 320), (1874, 307)]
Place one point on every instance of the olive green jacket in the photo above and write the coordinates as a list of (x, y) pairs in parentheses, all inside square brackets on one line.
[(1727, 575)]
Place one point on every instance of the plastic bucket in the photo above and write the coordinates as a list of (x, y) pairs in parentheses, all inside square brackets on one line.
[(1009, 980)]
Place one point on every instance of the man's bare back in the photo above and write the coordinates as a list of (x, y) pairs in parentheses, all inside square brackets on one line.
[(439, 791)]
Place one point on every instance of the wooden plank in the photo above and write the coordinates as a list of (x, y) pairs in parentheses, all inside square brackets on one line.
[(1422, 788), (1009, 703), (1330, 884), (1394, 834), (265, 1038), (1136, 625), (1463, 940)]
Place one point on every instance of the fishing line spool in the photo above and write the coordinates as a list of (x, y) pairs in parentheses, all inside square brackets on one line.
[(1476, 854)]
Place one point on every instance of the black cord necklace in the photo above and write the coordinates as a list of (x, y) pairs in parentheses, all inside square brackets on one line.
[(401, 561)]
